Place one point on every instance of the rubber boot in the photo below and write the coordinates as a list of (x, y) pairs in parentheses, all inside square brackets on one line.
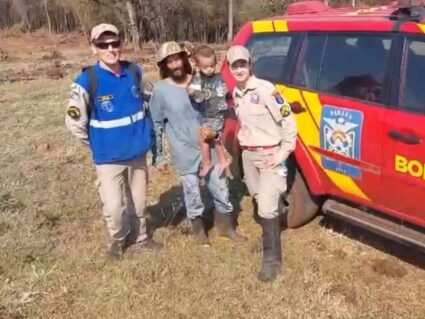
[(199, 231), (225, 227), (257, 247), (272, 249), (116, 251)]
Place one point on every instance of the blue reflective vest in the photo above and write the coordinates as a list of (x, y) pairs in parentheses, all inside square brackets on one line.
[(120, 128)]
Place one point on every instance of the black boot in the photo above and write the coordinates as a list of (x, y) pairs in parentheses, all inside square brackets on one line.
[(116, 250), (225, 227), (258, 245), (272, 249), (199, 231)]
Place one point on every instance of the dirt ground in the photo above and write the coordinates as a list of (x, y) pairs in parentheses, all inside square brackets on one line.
[(53, 238)]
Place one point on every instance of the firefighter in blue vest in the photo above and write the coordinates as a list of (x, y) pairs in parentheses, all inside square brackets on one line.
[(106, 111)]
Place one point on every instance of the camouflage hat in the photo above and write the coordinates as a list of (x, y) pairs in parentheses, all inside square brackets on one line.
[(167, 49), (188, 46)]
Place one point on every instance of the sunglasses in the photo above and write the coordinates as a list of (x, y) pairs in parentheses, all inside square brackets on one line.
[(105, 45)]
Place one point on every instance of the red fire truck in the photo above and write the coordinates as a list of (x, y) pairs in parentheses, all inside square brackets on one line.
[(355, 80)]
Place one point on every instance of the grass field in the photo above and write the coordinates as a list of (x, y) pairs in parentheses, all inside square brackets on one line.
[(53, 238)]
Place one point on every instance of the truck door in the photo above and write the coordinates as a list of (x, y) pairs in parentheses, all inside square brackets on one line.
[(344, 90), (404, 136)]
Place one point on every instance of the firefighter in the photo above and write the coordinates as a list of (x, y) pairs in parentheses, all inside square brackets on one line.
[(267, 137)]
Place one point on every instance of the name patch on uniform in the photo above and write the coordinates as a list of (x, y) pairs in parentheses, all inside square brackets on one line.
[(74, 112), (255, 98), (104, 98), (278, 98), (341, 133)]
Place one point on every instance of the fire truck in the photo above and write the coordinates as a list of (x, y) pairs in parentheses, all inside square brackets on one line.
[(355, 80)]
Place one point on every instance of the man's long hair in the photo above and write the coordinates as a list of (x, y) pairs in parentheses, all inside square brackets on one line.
[(164, 71)]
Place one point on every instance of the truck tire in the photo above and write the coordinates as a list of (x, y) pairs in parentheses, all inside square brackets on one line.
[(301, 205)]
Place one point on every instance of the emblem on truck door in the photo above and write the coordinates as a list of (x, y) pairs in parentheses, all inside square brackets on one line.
[(340, 132)]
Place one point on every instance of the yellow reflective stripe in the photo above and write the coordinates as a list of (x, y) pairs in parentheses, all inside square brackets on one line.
[(421, 26), (262, 26), (310, 136), (343, 182), (270, 26), (315, 107), (280, 26), (309, 131)]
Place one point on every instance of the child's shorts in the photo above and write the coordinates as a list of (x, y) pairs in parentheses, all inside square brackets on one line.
[(214, 123)]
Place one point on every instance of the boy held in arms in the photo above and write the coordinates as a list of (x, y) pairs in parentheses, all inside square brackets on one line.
[(210, 91)]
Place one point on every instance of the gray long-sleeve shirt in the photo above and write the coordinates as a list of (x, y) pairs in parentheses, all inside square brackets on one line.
[(174, 112)]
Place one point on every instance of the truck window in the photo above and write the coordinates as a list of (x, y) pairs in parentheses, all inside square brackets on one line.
[(270, 54), (307, 73), (355, 66), (413, 90)]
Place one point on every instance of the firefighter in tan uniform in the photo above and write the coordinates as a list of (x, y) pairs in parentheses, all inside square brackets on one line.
[(267, 137)]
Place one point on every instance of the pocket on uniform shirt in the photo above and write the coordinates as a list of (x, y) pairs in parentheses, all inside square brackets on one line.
[(257, 110)]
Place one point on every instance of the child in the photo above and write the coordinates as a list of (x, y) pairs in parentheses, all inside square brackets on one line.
[(209, 89)]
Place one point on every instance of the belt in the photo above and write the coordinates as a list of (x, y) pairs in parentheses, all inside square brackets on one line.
[(257, 148)]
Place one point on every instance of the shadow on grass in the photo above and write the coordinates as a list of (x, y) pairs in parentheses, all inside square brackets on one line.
[(409, 254), (170, 210)]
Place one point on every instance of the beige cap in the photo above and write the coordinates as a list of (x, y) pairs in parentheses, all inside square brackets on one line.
[(97, 31), (237, 52), (167, 49)]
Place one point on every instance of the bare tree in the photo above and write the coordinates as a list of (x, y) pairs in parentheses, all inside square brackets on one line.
[(135, 34), (230, 23), (49, 22), (22, 9), (147, 20)]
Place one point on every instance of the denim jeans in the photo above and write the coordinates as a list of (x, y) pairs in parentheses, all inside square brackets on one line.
[(217, 186)]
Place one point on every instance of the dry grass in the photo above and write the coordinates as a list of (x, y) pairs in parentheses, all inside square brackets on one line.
[(53, 240)]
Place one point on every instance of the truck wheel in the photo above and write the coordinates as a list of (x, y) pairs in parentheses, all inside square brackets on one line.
[(301, 206)]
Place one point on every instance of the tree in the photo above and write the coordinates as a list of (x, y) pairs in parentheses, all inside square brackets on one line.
[(49, 22), (230, 24), (147, 20)]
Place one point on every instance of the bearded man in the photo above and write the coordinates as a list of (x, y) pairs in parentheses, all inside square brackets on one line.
[(174, 113)]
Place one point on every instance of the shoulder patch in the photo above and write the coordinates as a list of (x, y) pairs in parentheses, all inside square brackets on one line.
[(74, 112), (75, 92), (278, 98), (285, 110)]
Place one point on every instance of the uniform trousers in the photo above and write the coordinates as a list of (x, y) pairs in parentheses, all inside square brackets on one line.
[(122, 187), (264, 183)]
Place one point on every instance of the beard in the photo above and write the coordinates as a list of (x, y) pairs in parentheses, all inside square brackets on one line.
[(178, 74)]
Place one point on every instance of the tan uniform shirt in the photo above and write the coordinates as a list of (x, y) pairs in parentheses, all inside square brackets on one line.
[(265, 116), (77, 119)]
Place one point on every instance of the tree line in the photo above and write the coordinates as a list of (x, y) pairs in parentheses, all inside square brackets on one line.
[(144, 20)]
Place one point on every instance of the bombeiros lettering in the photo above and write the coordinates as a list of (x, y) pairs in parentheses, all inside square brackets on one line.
[(412, 167)]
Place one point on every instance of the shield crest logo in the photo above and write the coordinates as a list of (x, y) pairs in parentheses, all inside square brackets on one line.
[(340, 132)]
